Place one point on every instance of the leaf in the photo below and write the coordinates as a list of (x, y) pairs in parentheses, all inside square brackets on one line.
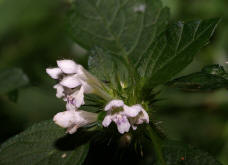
[(137, 37), (110, 69), (43, 144), (12, 79), (210, 78), (176, 153), (175, 49), (215, 70), (124, 27)]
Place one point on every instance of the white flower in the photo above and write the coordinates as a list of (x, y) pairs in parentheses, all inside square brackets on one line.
[(121, 121), (115, 113), (140, 118), (76, 99), (72, 120), (68, 66), (124, 116), (64, 67), (59, 90), (72, 83), (143, 117), (132, 111), (114, 104), (119, 113), (54, 72)]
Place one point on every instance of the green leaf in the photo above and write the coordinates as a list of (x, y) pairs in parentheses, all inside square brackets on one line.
[(44, 144), (109, 68), (12, 79), (176, 153), (215, 70), (175, 49), (210, 78), (118, 25)]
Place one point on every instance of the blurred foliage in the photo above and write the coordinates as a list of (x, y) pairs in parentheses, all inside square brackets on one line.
[(199, 118), (33, 35)]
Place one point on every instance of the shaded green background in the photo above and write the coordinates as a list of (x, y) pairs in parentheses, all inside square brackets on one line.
[(33, 34)]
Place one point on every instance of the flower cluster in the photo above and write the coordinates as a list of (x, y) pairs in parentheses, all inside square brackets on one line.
[(124, 116), (72, 85), (73, 82)]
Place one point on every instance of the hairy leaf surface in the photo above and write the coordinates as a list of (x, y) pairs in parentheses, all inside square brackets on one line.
[(124, 27), (210, 78), (43, 144), (175, 49)]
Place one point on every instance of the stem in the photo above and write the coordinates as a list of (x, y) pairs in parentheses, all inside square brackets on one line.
[(98, 86), (157, 142), (130, 69)]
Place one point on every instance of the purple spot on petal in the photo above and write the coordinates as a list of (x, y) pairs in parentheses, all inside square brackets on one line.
[(71, 100)]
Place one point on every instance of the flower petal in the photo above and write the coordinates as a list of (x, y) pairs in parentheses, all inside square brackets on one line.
[(70, 107), (64, 119), (72, 130), (107, 121), (143, 117), (54, 72), (71, 81), (132, 111), (123, 126), (59, 91), (68, 66), (114, 103), (79, 97)]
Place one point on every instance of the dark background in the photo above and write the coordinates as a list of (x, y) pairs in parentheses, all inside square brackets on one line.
[(33, 34)]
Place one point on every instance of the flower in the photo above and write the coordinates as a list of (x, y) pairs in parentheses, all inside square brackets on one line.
[(54, 72), (112, 105), (115, 113), (69, 67), (140, 118), (76, 99), (72, 120), (72, 83), (59, 90), (124, 116)]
